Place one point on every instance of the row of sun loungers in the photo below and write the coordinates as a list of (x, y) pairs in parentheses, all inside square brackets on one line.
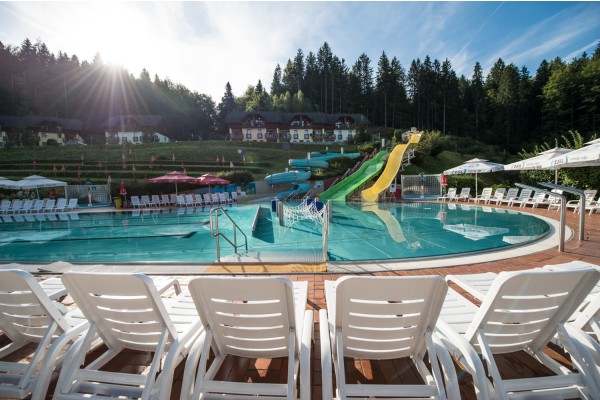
[(18, 206), (522, 198), (183, 200), (419, 319)]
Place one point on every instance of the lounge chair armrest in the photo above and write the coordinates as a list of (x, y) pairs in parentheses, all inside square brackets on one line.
[(589, 349), (305, 346), (327, 383), (452, 388), (462, 350)]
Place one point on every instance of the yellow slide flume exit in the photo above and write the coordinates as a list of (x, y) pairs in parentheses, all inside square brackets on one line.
[(391, 170)]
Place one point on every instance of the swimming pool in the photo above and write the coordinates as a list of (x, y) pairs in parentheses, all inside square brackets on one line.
[(356, 232)]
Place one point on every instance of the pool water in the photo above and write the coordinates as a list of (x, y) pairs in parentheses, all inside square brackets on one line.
[(356, 232)]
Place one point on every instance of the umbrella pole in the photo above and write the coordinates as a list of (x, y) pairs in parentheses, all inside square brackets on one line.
[(555, 176), (476, 184)]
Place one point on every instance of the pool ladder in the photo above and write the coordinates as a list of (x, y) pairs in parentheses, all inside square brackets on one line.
[(214, 231)]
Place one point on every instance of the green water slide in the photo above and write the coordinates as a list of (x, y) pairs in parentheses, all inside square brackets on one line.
[(341, 190)]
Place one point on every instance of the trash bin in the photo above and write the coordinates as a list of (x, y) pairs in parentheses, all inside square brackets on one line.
[(274, 205), (118, 202)]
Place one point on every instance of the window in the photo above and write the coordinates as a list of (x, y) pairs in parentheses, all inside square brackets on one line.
[(249, 134), (306, 134), (295, 134), (259, 135), (136, 139), (340, 136)]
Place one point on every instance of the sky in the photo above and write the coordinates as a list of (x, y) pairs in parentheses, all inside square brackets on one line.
[(204, 45)]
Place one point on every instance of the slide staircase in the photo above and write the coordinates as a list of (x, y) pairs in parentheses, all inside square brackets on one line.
[(392, 167)]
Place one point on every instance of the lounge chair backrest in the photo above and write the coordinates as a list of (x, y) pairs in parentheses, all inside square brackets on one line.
[(164, 198), (589, 195), (49, 205), (173, 198), (523, 309), (207, 198), (499, 193), (145, 200), (61, 204), (525, 194), (135, 201), (16, 205), (27, 204), (72, 204), (369, 311), (128, 312), (465, 191), (486, 192), (451, 192), (512, 192), (189, 199), (246, 318), (155, 200), (25, 309)]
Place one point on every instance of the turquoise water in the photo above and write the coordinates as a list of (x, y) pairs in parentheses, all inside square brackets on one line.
[(376, 232)]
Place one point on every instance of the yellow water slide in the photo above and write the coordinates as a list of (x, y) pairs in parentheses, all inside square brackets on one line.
[(392, 167)]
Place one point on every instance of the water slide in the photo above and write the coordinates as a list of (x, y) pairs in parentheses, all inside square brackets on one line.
[(341, 190), (392, 167)]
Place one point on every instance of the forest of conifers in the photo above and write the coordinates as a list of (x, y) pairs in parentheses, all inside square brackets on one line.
[(509, 106)]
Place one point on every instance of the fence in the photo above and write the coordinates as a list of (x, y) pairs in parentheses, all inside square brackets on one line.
[(421, 187), (90, 194)]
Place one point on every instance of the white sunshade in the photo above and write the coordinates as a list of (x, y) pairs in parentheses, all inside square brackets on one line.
[(35, 182), (587, 156), (475, 166), (5, 182), (538, 162)]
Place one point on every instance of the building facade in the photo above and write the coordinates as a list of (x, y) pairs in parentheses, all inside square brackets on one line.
[(135, 129), (43, 131), (276, 126)]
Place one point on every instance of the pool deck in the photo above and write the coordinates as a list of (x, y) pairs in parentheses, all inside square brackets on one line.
[(513, 365)]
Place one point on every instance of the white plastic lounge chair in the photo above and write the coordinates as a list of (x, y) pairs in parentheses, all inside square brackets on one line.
[(164, 200), (173, 199), (511, 194), (485, 196), (135, 202), (15, 206), (26, 206), (4, 206), (145, 200), (126, 312), (224, 198), (385, 318), (251, 318), (589, 199), (523, 311), (28, 316), (207, 198), (534, 200), (155, 201), (72, 204), (198, 200), (180, 200), (524, 196), (234, 197), (450, 195), (215, 198), (464, 195), (189, 200), (61, 203), (498, 196), (49, 206)]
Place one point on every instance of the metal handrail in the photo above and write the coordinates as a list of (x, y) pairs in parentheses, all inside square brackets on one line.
[(577, 192), (562, 212), (214, 231)]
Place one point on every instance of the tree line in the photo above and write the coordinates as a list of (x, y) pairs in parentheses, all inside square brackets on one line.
[(507, 107)]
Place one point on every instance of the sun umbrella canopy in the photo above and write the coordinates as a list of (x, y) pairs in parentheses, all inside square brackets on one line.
[(587, 156), (541, 161), (35, 182), (5, 182), (475, 166), (210, 179), (175, 177)]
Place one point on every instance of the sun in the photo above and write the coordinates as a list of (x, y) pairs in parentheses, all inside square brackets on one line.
[(119, 31)]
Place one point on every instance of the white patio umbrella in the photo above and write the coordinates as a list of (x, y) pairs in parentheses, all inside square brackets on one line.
[(541, 161), (587, 156), (5, 182), (475, 166), (36, 182)]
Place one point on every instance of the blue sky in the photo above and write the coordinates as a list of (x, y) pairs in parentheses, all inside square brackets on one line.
[(205, 44)]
